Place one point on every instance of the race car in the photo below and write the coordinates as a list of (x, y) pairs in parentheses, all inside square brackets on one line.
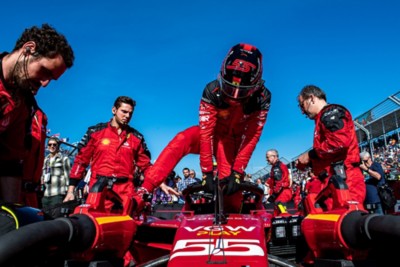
[(202, 234), (208, 231)]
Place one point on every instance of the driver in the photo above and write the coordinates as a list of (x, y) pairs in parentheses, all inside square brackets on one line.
[(233, 111)]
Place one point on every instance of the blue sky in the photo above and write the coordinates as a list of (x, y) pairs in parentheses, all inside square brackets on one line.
[(162, 54)]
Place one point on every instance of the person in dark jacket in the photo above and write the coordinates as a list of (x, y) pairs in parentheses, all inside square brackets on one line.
[(374, 177)]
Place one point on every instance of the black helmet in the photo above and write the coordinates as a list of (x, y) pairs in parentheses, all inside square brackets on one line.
[(241, 71)]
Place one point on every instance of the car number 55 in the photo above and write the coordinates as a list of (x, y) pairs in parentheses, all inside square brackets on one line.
[(217, 247)]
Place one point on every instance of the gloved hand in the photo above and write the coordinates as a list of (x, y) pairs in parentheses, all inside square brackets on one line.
[(140, 200), (272, 198), (232, 183), (208, 182)]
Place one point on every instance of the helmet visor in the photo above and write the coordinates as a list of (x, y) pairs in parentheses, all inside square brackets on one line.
[(238, 91)]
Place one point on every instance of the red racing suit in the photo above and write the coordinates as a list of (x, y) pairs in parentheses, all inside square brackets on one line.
[(15, 119), (112, 155), (313, 185), (297, 194), (335, 140), (228, 132), (279, 182), (33, 164)]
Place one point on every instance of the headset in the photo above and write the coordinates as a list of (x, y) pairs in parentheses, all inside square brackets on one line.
[(28, 51)]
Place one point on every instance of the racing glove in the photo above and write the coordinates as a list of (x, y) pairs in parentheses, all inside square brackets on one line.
[(140, 200), (208, 182), (232, 183)]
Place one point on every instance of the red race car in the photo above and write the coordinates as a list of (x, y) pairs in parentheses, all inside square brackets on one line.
[(210, 230)]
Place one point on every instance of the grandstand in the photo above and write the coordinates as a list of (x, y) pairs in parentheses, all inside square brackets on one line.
[(373, 128)]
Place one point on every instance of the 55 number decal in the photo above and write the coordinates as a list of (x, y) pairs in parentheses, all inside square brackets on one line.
[(217, 247)]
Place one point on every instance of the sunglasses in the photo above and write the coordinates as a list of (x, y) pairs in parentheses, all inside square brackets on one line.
[(302, 103), (55, 145)]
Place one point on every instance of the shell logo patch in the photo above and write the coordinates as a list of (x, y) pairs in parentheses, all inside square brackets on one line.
[(105, 141)]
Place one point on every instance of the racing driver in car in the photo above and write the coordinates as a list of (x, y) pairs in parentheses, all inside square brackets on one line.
[(232, 114)]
